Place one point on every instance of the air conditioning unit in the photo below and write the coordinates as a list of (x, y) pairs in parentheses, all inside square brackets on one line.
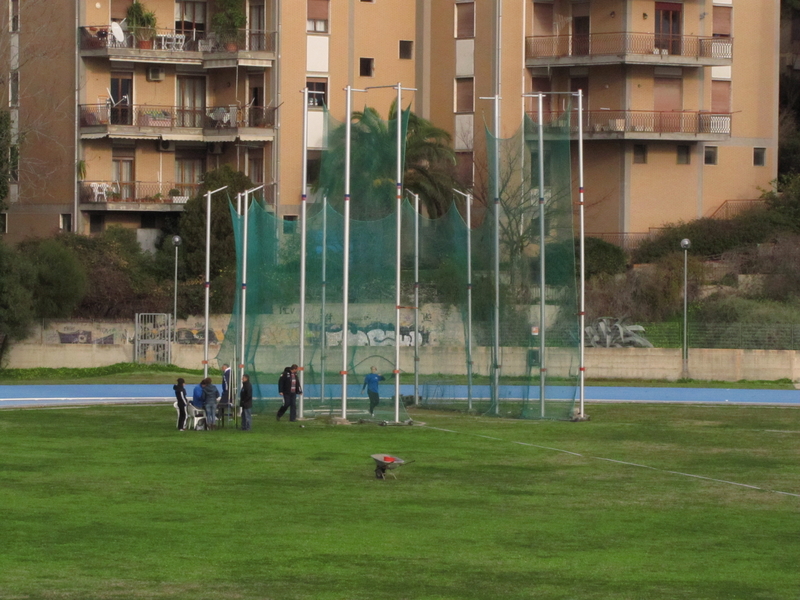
[(166, 146), (215, 148), (155, 73)]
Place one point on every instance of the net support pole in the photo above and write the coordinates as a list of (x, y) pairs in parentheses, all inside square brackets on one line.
[(346, 246), (323, 317), (245, 246), (303, 234), (416, 296), (582, 243), (542, 307), (398, 251), (496, 195), (468, 200), (207, 281)]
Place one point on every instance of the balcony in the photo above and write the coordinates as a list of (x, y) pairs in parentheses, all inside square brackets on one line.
[(143, 121), (642, 124), (628, 48), (161, 196), (246, 48)]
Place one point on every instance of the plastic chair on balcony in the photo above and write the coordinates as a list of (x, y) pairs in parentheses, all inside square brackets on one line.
[(207, 45), (99, 192)]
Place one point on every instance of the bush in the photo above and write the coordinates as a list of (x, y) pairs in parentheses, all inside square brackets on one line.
[(59, 283), (603, 258)]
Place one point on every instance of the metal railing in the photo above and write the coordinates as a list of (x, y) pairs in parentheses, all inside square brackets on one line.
[(164, 192), (623, 43), (99, 37), (639, 121), (731, 208), (145, 115)]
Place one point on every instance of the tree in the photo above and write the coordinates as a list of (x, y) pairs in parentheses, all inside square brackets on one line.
[(429, 164), (59, 281), (193, 223), (16, 300)]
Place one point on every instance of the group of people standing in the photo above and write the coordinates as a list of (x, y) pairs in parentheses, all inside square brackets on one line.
[(206, 395)]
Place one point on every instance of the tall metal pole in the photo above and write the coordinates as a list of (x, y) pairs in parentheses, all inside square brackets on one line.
[(324, 316), (542, 314), (303, 233), (176, 241), (346, 249), (582, 205), (398, 251), (685, 244), (496, 194), (468, 198), (207, 282), (243, 310), (416, 297)]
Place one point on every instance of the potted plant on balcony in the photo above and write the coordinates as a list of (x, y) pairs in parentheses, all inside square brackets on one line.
[(228, 19), (142, 24)]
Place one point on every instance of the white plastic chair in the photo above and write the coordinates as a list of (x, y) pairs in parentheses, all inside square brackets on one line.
[(99, 192), (196, 417)]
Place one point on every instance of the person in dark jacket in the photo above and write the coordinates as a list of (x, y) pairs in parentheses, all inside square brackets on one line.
[(197, 395), (210, 396), (180, 396), (246, 401), (289, 388), (371, 382)]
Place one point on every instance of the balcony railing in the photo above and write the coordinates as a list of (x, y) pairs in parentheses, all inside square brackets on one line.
[(145, 115), (162, 192), (625, 43), (639, 121), (173, 40)]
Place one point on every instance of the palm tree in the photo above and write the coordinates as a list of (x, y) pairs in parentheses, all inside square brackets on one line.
[(429, 164)]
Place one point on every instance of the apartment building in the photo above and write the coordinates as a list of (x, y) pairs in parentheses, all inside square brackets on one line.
[(117, 123)]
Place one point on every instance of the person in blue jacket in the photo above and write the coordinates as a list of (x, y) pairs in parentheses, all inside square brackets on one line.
[(371, 382), (197, 395)]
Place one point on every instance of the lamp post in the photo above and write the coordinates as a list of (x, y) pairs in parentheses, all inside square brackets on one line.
[(685, 244), (176, 241)]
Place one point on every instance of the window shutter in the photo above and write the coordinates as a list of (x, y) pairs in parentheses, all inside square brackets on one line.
[(721, 96), (722, 21), (465, 17), (119, 9), (318, 9)]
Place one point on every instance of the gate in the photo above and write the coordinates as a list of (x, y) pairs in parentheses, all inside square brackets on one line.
[(153, 334)]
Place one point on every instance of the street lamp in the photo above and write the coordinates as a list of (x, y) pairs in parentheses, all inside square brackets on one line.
[(685, 244), (176, 241)]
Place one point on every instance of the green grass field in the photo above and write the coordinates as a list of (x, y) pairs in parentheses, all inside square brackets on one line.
[(640, 503)]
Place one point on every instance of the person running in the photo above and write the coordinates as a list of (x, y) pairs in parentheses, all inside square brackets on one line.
[(289, 388), (180, 396), (371, 382)]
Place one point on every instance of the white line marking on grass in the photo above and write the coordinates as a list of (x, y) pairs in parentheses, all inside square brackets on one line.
[(622, 462)]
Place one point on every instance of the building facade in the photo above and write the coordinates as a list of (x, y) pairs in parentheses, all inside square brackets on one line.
[(116, 123)]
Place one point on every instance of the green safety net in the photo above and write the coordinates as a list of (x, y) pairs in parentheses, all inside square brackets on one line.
[(457, 350)]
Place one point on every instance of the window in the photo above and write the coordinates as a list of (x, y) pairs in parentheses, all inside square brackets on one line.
[(668, 27), (121, 94), (189, 171), (96, 222), (406, 49), (639, 154), (192, 101), (464, 166), (190, 16), (65, 222), (13, 163), (13, 24), (313, 167), (255, 165), (465, 94), (465, 20), (366, 67), (684, 155), (13, 94), (122, 173), (3, 223), (720, 96), (317, 92), (710, 156), (759, 157), (722, 21), (317, 16), (289, 224)]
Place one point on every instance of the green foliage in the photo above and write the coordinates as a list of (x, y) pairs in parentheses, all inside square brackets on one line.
[(141, 21), (735, 309), (120, 279), (602, 257), (16, 300), (784, 199), (65, 373), (228, 18), (5, 157), (193, 223), (59, 283), (711, 237)]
